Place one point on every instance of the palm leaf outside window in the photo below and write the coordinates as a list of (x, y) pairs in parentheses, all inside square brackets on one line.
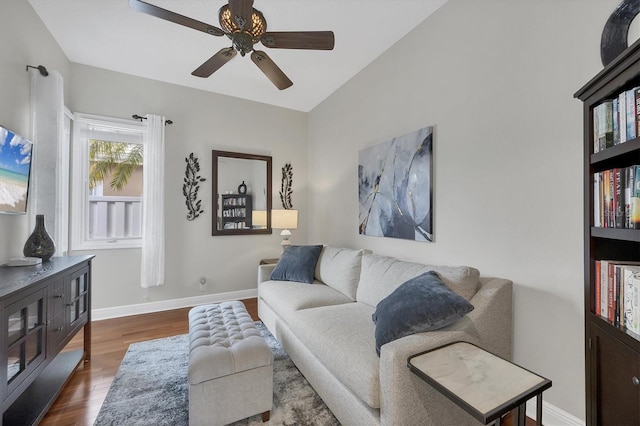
[(115, 159)]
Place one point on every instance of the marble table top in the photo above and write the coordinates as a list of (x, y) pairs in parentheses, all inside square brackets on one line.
[(482, 380)]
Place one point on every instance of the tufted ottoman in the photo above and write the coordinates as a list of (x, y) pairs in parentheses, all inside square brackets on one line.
[(230, 366)]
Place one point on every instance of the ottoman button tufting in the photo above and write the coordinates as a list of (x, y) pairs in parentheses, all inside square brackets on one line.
[(230, 366)]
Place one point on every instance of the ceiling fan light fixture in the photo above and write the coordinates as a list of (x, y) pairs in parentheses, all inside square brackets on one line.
[(255, 28)]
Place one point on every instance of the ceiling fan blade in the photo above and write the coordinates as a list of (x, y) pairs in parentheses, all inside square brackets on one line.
[(215, 62), (270, 69), (241, 11), (167, 15), (317, 40)]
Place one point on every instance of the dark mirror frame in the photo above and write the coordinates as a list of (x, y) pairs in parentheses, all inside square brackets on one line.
[(216, 196)]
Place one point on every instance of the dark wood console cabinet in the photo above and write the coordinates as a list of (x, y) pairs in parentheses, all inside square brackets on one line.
[(41, 308)]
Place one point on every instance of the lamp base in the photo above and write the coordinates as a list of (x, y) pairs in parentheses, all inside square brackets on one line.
[(285, 234)]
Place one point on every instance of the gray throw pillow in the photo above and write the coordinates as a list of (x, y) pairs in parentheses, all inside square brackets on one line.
[(423, 303), (297, 263)]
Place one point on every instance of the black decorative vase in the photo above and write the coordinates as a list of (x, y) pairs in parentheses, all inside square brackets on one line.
[(39, 244), (242, 189)]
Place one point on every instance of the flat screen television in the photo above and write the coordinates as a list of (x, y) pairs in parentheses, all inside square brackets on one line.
[(15, 171)]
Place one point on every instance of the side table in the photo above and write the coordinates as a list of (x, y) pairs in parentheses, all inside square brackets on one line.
[(483, 384)]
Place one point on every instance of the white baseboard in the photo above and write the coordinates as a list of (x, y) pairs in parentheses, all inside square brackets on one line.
[(165, 305), (552, 415)]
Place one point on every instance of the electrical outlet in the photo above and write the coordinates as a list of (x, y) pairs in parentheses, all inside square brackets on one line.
[(203, 283)]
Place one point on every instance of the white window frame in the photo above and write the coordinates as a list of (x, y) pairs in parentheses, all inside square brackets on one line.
[(79, 218)]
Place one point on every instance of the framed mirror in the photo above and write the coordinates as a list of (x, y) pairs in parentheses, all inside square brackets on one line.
[(241, 193)]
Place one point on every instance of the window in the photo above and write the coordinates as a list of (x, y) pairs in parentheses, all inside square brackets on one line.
[(106, 204)]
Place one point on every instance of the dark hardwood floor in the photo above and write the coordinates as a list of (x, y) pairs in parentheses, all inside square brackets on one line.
[(81, 398)]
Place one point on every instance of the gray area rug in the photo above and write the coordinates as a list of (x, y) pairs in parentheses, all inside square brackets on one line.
[(151, 388)]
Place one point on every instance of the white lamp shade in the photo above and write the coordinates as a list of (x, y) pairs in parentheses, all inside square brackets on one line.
[(284, 219)]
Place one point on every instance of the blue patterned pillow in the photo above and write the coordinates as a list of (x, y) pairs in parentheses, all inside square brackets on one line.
[(423, 303), (297, 263)]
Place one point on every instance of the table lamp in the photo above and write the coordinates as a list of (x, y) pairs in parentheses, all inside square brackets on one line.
[(285, 220)]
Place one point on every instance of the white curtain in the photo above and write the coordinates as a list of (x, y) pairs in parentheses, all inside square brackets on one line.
[(48, 194), (152, 273)]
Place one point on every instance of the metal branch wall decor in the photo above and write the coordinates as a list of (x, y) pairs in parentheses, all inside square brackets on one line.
[(396, 187), (286, 187), (191, 186)]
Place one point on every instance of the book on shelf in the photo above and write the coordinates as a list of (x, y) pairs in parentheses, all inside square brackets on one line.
[(611, 292), (634, 208), (622, 117), (631, 113), (616, 120), (603, 126), (617, 293), (606, 198), (598, 291), (630, 277), (597, 199), (636, 92), (604, 288), (616, 198)]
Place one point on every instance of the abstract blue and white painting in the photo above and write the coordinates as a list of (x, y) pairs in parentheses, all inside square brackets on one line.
[(395, 187)]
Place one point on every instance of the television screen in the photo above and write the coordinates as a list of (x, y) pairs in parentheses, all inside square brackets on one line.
[(15, 169)]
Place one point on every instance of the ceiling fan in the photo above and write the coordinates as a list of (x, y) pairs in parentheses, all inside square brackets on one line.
[(245, 26)]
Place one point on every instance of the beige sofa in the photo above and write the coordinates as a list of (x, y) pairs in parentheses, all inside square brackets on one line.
[(327, 330)]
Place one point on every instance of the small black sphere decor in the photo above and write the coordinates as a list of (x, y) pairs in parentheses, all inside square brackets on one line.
[(191, 186), (39, 244)]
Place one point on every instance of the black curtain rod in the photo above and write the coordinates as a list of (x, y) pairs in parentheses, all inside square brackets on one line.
[(139, 117)]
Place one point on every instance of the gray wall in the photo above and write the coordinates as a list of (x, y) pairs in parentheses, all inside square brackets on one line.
[(24, 40), (496, 80), (202, 122)]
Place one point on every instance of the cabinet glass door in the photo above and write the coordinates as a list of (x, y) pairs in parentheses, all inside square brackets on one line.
[(25, 322), (79, 293)]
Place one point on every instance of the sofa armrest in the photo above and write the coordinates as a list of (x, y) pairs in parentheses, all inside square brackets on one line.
[(407, 399), (492, 316), (264, 272)]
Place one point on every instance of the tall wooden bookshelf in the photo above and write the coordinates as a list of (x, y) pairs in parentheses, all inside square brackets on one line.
[(612, 353)]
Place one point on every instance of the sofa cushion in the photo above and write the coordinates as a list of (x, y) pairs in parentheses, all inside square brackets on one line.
[(380, 275), (423, 303), (285, 297), (341, 337), (297, 263), (340, 268)]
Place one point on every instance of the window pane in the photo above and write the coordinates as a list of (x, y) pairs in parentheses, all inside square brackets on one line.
[(72, 311), (83, 283), (115, 189), (15, 326), (34, 315), (14, 364), (34, 346)]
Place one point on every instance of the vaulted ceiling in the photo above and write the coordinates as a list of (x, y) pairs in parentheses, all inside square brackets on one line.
[(109, 34)]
